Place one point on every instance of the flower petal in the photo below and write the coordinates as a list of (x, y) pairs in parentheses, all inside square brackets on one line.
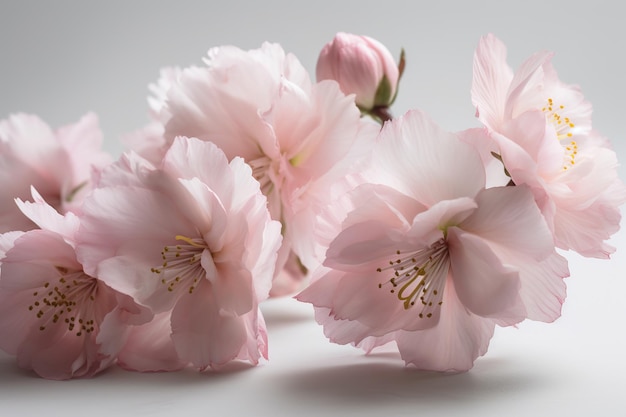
[(453, 345), (508, 216), (484, 285), (149, 347), (421, 160), (491, 79), (203, 334)]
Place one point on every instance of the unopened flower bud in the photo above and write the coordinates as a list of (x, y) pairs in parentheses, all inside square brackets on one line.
[(362, 66)]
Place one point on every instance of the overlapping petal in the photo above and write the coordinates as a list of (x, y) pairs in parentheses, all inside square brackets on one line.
[(542, 133), (430, 258), (191, 239)]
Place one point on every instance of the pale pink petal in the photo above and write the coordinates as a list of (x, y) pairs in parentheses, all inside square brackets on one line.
[(353, 332), (108, 214), (329, 134), (427, 226), (119, 321), (29, 140), (12, 326), (256, 346), (238, 92), (373, 201), (588, 205), (486, 146), (321, 291), (526, 89), (509, 221), (149, 347), (6, 242), (233, 288), (357, 246), (188, 158), (491, 79), (509, 217), (202, 207), (261, 245), (453, 345), (543, 289), (536, 137), (46, 217), (202, 334), (484, 285), (585, 231), (61, 360), (427, 163)]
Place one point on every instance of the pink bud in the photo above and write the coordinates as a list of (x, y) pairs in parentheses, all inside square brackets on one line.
[(362, 66)]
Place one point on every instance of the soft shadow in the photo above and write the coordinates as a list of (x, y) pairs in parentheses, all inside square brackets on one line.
[(378, 383)]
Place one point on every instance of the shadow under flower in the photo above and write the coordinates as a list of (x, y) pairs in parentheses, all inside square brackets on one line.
[(385, 382)]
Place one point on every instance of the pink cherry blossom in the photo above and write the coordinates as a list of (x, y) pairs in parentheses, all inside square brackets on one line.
[(56, 319), (430, 258), (362, 66), (299, 138), (193, 240), (58, 163), (541, 130)]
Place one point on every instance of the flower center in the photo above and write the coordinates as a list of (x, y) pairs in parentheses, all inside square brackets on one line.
[(563, 126), (419, 277), (71, 300), (181, 264)]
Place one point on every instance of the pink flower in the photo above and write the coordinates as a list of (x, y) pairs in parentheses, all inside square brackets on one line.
[(541, 130), (191, 239), (362, 66), (58, 163), (430, 258), (56, 319), (299, 138)]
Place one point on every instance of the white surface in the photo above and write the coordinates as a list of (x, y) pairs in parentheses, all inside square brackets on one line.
[(61, 59)]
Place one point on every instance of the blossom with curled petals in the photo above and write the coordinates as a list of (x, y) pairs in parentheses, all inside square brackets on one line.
[(430, 258), (541, 131), (55, 318), (192, 240), (297, 136)]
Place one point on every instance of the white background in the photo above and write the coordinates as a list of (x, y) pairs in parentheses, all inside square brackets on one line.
[(61, 59)]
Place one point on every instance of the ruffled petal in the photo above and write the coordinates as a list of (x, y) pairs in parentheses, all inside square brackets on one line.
[(491, 79), (223, 102), (508, 216), (485, 286), (421, 160), (149, 347), (204, 335)]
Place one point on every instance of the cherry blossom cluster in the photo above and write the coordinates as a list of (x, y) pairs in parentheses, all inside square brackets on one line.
[(252, 180)]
